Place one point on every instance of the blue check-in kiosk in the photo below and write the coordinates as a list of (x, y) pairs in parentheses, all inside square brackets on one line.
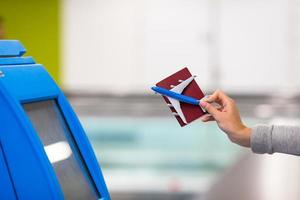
[(44, 152)]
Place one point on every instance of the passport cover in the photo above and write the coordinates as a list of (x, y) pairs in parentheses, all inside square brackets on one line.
[(191, 112)]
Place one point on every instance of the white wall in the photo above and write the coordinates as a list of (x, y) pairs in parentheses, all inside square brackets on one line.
[(127, 45), (253, 45)]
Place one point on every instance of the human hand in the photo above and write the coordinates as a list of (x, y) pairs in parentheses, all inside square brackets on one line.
[(227, 116)]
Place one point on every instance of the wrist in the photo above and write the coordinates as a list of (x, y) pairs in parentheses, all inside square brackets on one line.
[(245, 134)]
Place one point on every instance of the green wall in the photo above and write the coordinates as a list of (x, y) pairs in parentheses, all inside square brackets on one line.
[(36, 24)]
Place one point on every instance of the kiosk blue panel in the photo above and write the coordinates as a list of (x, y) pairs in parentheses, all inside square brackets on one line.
[(44, 152)]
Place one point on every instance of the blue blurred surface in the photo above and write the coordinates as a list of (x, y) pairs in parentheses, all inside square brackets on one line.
[(159, 145)]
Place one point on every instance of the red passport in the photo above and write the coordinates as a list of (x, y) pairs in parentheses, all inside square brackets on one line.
[(190, 112)]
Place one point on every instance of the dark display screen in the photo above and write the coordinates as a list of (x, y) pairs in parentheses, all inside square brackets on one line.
[(62, 150)]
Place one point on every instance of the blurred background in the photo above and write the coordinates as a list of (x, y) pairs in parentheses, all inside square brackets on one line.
[(106, 54)]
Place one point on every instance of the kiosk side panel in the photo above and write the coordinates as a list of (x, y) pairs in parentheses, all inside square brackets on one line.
[(6, 186)]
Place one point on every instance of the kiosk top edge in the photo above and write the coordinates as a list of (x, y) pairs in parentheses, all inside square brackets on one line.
[(11, 48)]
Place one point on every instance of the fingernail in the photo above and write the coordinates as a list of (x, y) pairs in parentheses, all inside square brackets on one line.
[(203, 103), (204, 99)]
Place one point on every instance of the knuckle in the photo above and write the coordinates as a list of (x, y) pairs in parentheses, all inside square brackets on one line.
[(218, 91)]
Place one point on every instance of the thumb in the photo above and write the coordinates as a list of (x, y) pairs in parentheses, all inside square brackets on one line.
[(210, 109)]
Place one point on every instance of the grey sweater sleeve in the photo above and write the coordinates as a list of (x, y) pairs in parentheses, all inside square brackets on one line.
[(271, 139)]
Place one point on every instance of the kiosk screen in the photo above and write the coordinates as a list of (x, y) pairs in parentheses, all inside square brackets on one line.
[(61, 149)]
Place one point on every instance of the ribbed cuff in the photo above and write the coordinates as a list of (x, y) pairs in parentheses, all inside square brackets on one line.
[(286, 139), (261, 139)]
